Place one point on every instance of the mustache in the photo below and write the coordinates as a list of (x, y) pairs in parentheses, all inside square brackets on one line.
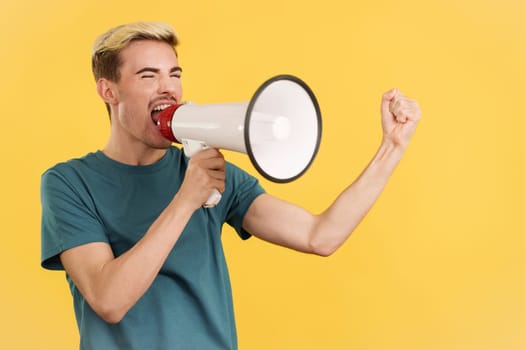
[(171, 99)]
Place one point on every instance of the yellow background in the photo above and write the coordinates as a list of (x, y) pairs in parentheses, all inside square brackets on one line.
[(437, 264)]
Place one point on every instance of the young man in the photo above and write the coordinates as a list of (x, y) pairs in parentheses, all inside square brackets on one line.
[(144, 260)]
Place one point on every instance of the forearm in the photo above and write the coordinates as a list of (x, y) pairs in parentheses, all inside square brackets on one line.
[(337, 223), (113, 285)]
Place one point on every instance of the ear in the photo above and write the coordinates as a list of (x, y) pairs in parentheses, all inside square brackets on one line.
[(107, 91)]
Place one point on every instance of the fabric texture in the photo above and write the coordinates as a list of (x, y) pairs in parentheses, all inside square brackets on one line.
[(189, 305)]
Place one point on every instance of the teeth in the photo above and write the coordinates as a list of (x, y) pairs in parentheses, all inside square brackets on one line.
[(161, 107)]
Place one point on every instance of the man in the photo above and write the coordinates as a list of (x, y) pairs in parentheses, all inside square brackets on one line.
[(143, 259)]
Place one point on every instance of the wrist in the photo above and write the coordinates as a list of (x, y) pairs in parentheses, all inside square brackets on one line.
[(391, 147), (182, 205)]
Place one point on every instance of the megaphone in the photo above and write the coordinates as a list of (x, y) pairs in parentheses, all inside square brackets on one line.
[(279, 129)]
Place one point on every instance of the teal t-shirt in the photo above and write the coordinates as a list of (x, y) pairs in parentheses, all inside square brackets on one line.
[(189, 305)]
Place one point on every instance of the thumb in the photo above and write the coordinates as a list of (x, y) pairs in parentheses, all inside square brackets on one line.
[(385, 101)]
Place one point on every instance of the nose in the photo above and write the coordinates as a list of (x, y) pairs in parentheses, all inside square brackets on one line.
[(169, 85)]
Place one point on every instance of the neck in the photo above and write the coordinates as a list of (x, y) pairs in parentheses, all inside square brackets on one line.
[(138, 154)]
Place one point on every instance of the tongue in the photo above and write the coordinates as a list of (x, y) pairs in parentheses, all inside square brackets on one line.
[(155, 116)]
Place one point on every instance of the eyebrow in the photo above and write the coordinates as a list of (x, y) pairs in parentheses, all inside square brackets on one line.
[(156, 70)]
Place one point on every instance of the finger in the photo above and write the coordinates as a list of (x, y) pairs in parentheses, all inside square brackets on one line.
[(208, 153), (386, 100), (208, 159), (217, 174), (410, 113), (402, 116), (398, 99), (393, 106), (217, 183), (213, 164), (389, 95), (402, 108), (409, 108), (415, 111), (395, 109)]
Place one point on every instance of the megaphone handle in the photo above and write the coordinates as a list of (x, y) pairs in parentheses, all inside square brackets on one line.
[(213, 199), (191, 147)]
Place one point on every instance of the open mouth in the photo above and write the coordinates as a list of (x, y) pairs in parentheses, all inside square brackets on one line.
[(156, 111)]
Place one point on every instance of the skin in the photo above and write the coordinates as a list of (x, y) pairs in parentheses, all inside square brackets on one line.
[(150, 77)]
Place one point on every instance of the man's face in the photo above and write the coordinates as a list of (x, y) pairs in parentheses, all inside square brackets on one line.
[(149, 81)]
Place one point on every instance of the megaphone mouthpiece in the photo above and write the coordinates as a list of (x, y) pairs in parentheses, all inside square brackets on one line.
[(164, 122)]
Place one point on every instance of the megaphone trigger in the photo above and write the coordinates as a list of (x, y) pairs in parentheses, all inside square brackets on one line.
[(191, 147)]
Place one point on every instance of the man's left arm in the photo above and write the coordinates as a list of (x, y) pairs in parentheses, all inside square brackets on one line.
[(288, 225)]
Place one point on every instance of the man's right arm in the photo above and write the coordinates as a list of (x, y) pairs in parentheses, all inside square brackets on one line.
[(112, 285)]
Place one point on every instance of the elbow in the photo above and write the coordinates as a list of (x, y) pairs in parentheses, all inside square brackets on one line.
[(320, 242), (109, 311), (323, 249), (110, 316)]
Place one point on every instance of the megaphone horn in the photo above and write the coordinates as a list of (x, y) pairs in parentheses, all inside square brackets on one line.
[(279, 128)]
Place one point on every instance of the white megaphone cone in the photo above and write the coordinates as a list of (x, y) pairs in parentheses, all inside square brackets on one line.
[(279, 128)]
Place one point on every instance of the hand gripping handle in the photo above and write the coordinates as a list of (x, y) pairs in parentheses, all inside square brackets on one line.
[(190, 148)]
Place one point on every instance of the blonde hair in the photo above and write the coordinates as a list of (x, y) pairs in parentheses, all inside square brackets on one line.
[(105, 60)]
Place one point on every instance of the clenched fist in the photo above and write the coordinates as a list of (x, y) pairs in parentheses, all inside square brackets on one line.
[(400, 116)]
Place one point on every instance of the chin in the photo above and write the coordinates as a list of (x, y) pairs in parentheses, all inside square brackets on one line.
[(165, 144), (157, 141), (161, 145)]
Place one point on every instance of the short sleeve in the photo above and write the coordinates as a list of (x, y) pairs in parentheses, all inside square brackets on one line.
[(68, 217), (245, 188)]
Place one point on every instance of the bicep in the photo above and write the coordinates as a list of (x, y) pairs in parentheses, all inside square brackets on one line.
[(277, 221)]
